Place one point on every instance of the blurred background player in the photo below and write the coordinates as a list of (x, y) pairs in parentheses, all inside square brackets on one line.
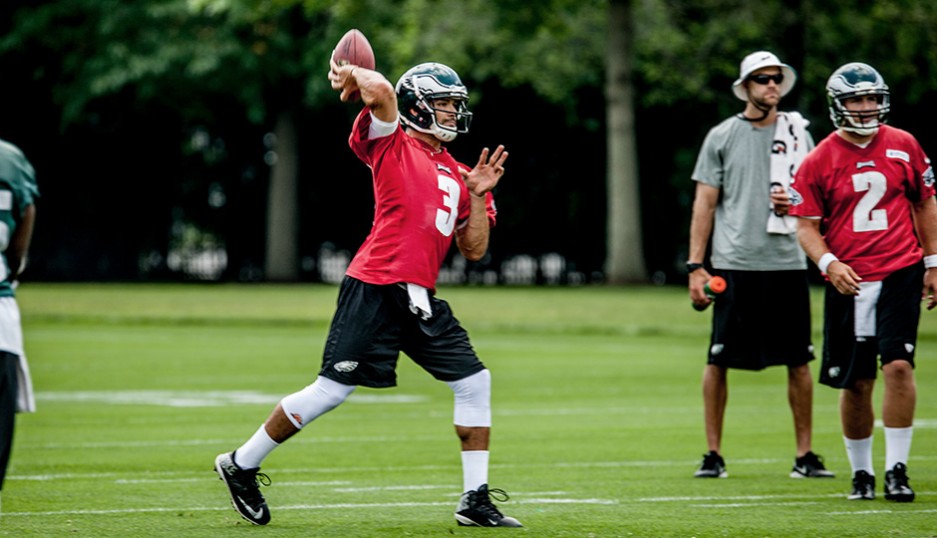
[(741, 174), (18, 191), (865, 239), (387, 303)]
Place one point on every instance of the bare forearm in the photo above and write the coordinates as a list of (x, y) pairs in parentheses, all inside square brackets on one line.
[(925, 223), (376, 92), (472, 239), (701, 227), (842, 277), (808, 233), (19, 243)]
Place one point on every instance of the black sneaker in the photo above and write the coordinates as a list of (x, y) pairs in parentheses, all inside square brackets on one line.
[(896, 484), (476, 509), (810, 466), (244, 487), (713, 466), (863, 487)]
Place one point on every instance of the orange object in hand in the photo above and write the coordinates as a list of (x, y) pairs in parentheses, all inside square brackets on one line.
[(712, 289)]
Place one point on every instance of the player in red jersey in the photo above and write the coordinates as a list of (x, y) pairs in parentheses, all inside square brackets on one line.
[(865, 196), (424, 199)]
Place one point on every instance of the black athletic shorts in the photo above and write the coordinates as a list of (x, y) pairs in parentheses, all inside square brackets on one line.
[(8, 392), (897, 313), (373, 324), (762, 319)]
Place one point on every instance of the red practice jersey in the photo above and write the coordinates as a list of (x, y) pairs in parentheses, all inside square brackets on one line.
[(420, 200), (864, 197)]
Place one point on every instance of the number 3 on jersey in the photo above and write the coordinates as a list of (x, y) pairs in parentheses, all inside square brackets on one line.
[(446, 218), (865, 218)]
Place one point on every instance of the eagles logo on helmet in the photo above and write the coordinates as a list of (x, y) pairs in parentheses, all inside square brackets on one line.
[(423, 84), (856, 80)]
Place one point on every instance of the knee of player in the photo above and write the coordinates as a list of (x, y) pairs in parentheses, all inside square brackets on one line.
[(898, 369), (472, 400), (315, 400)]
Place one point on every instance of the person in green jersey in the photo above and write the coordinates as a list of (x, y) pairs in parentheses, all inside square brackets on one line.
[(18, 191)]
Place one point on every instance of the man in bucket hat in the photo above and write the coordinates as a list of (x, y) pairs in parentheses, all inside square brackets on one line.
[(742, 173)]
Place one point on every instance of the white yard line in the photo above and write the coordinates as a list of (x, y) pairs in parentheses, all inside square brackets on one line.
[(754, 499), (157, 475), (885, 511), (379, 439), (334, 506), (218, 398)]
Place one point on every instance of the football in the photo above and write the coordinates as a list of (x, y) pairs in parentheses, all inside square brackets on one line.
[(353, 48)]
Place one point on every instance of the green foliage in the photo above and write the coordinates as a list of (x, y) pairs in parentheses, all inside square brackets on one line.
[(175, 52), (185, 51), (898, 37), (691, 50)]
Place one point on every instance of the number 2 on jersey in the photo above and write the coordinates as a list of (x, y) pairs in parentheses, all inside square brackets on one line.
[(865, 218), (445, 220)]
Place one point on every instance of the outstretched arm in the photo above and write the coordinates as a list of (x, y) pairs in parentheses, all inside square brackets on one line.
[(472, 238), (376, 91)]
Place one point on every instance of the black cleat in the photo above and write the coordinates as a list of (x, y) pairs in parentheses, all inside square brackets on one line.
[(713, 466), (244, 487), (863, 487), (896, 485), (476, 509), (810, 466)]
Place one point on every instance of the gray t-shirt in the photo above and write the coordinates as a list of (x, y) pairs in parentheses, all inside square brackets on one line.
[(735, 158)]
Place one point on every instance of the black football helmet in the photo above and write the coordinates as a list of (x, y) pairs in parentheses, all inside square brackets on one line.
[(855, 80), (419, 87)]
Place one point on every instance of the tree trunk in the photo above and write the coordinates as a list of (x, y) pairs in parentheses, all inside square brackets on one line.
[(282, 208), (625, 251)]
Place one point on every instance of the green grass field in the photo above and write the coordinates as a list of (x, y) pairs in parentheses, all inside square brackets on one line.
[(597, 410)]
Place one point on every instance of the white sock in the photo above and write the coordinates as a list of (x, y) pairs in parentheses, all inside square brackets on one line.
[(859, 452), (474, 469), (255, 449), (897, 446)]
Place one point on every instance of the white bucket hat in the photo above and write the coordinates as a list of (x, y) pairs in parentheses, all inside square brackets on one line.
[(757, 60)]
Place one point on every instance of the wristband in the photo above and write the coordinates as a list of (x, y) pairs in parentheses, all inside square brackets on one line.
[(930, 261), (825, 261)]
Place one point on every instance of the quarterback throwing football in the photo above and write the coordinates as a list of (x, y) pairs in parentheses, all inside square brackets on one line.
[(423, 200)]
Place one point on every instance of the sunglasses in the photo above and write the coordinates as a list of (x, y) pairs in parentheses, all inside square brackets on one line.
[(765, 79)]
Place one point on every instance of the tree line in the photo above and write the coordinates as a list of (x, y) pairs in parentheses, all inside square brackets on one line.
[(206, 128)]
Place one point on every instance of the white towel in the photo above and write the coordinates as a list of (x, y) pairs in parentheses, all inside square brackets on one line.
[(419, 300), (864, 309), (787, 152), (25, 400), (11, 340)]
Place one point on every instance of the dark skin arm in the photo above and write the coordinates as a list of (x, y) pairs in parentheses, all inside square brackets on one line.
[(19, 243)]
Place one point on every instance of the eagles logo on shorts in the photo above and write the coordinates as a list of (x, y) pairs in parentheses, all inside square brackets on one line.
[(345, 366)]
